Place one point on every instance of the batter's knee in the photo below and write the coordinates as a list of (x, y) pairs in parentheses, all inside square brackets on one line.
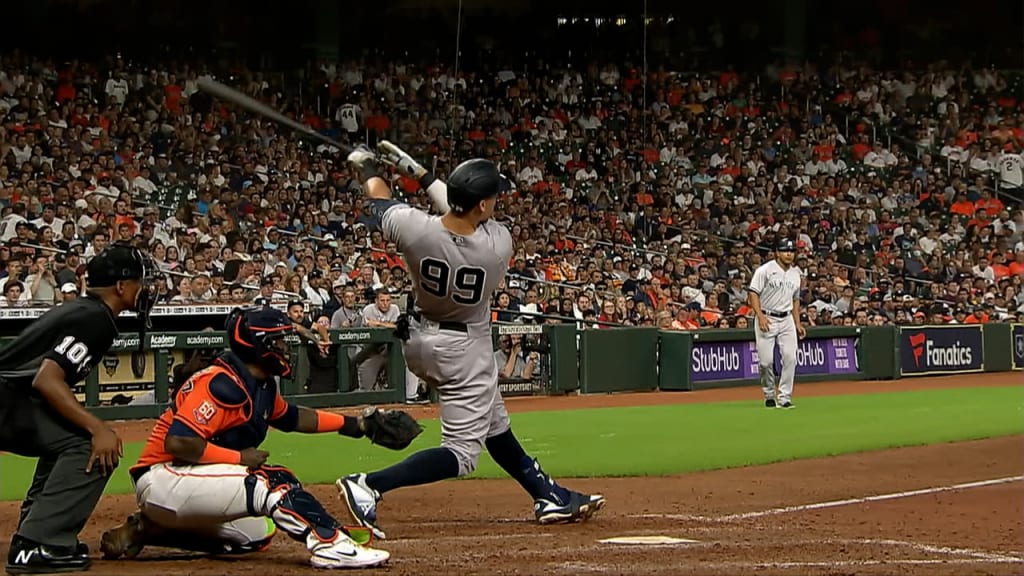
[(466, 452), (788, 359)]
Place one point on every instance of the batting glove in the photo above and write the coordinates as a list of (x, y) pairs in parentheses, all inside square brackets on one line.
[(364, 162), (394, 156)]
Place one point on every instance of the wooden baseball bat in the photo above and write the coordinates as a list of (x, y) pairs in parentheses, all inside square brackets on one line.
[(256, 107)]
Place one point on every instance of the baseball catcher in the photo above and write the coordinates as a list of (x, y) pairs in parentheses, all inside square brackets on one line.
[(203, 484)]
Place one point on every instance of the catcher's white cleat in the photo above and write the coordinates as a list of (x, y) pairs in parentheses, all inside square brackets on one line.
[(361, 501), (343, 552)]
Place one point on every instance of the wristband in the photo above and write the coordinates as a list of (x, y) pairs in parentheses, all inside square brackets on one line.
[(427, 179), (214, 454), (329, 421), (351, 428)]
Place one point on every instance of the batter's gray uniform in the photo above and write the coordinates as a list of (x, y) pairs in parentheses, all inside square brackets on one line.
[(450, 329), (370, 368), (777, 289)]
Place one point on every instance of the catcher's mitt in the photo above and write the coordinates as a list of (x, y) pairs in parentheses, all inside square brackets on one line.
[(394, 429)]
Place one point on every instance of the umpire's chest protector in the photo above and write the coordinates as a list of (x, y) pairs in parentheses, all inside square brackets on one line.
[(255, 398)]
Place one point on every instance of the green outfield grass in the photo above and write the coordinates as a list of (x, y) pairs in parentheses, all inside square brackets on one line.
[(656, 440)]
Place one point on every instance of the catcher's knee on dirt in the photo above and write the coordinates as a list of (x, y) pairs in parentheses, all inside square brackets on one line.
[(276, 493)]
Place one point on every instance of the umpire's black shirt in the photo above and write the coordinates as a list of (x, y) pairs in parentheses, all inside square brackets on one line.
[(75, 335)]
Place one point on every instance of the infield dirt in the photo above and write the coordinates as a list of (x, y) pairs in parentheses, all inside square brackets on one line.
[(485, 526)]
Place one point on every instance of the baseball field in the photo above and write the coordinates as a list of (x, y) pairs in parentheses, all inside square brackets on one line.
[(916, 476)]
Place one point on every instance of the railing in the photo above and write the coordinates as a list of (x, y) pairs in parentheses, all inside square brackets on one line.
[(584, 361)]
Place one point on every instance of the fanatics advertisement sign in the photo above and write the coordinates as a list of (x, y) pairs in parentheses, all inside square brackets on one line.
[(941, 350), (738, 360)]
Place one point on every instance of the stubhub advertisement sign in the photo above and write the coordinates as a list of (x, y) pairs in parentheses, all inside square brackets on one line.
[(738, 360)]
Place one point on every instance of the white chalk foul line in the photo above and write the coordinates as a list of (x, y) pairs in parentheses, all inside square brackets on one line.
[(1000, 557), (834, 503)]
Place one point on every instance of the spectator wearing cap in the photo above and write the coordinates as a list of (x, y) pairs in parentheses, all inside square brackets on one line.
[(687, 317), (267, 288), (68, 292), (201, 287)]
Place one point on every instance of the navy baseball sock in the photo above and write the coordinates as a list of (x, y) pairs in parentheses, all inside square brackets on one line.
[(423, 467), (509, 454)]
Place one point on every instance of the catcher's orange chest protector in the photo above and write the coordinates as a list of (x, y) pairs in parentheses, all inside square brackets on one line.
[(253, 398)]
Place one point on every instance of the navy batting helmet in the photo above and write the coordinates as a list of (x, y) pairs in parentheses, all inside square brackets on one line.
[(786, 245), (472, 181), (257, 336)]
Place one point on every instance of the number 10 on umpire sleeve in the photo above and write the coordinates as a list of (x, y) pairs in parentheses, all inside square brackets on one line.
[(467, 284)]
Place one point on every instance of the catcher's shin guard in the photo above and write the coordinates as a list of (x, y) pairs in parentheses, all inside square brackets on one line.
[(275, 492)]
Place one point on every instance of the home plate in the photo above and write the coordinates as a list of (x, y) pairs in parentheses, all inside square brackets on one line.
[(647, 540)]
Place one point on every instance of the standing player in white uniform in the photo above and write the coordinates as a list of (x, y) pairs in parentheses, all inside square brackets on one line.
[(456, 262), (774, 295)]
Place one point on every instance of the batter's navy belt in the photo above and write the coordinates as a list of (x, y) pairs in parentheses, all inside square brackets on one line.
[(779, 315), (454, 326)]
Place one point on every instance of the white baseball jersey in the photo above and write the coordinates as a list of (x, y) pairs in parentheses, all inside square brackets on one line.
[(776, 287), (1010, 173), (348, 115), (453, 276)]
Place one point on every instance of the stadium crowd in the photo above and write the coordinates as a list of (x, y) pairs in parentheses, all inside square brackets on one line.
[(638, 203)]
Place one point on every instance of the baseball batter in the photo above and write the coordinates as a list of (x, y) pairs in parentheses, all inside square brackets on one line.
[(201, 481), (774, 295), (456, 262)]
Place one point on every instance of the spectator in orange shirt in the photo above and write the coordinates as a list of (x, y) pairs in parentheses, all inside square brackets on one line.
[(962, 206), (980, 316), (686, 317), (988, 203), (1017, 266)]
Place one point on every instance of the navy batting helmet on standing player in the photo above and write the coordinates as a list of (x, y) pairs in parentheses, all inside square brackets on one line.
[(456, 262)]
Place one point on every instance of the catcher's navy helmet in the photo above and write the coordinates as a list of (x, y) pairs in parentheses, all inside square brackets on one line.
[(472, 181), (257, 336), (786, 245)]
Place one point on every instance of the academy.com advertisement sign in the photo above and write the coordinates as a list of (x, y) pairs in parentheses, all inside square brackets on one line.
[(739, 361), (941, 350)]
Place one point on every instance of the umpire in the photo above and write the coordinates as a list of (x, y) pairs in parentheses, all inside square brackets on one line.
[(40, 416)]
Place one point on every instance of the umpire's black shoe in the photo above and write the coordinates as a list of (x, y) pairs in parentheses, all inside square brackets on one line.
[(28, 557), (769, 403)]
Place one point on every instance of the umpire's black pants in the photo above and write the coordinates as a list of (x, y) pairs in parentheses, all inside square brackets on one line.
[(62, 495)]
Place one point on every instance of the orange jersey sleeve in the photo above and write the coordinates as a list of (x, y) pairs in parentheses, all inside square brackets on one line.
[(202, 411), (280, 407)]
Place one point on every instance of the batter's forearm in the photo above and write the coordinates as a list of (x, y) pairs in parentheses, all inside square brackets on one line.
[(377, 189), (437, 191)]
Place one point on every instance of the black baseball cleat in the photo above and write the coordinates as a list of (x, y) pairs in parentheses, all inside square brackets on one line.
[(786, 404), (28, 557), (769, 403)]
